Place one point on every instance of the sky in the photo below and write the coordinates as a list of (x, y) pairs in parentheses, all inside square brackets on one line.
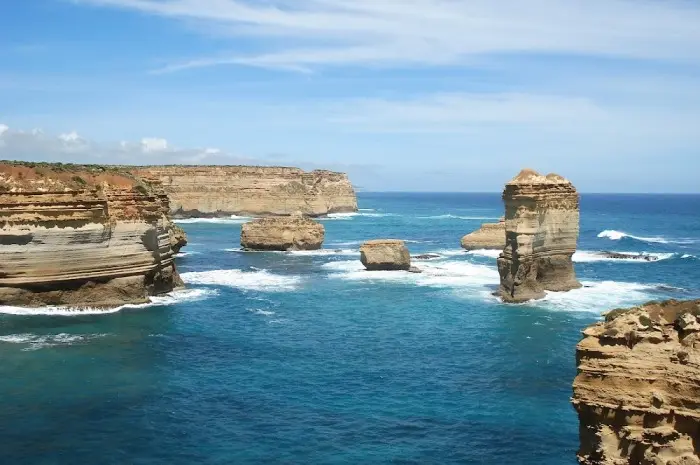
[(403, 95)]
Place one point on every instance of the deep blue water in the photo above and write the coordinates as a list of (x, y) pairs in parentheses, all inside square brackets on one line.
[(304, 358)]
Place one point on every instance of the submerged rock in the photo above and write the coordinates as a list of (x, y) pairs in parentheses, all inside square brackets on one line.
[(542, 225), (637, 392), (628, 256), (282, 233), (426, 256), (491, 236), (385, 254)]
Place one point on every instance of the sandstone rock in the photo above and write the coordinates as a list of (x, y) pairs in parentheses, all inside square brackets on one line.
[(491, 236), (385, 254), (178, 238), (637, 392), (82, 236), (542, 224), (209, 191), (282, 233)]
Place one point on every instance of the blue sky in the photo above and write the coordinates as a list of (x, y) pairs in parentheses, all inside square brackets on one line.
[(423, 95)]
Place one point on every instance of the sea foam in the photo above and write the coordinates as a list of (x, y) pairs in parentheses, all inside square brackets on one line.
[(584, 256), (258, 280), (39, 341), (618, 235), (171, 298)]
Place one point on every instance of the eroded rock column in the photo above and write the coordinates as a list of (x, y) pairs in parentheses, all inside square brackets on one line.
[(542, 224)]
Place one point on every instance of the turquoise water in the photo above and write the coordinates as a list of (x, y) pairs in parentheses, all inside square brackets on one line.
[(305, 358)]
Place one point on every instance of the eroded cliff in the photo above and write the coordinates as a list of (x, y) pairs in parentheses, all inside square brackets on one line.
[(82, 236), (252, 190), (637, 392), (542, 225)]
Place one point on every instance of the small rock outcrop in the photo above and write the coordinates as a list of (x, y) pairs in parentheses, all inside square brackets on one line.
[(85, 236), (385, 254), (637, 392), (178, 238), (282, 233), (220, 191), (491, 236), (542, 225), (644, 257)]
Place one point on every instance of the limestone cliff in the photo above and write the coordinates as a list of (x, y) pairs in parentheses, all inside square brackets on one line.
[(490, 236), (637, 392), (282, 233), (252, 190), (82, 235), (542, 224)]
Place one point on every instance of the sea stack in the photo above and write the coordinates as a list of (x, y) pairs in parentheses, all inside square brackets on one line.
[(491, 236), (542, 225), (385, 255), (85, 236), (282, 233), (637, 392)]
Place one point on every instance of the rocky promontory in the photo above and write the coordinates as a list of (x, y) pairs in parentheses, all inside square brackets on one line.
[(82, 236), (491, 236), (637, 392), (209, 191), (294, 232), (542, 225), (385, 254)]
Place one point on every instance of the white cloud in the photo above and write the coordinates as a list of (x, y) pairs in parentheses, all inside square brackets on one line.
[(304, 34), (35, 145), (153, 144)]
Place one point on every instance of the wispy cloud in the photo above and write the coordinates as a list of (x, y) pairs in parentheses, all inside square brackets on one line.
[(305, 34), (35, 145)]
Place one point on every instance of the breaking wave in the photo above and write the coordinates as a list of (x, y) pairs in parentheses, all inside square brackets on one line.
[(618, 235), (583, 256), (257, 280), (171, 298), (233, 219), (450, 216), (597, 297)]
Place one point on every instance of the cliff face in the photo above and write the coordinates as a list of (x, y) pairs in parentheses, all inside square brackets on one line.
[(637, 392), (542, 224), (85, 236), (251, 190)]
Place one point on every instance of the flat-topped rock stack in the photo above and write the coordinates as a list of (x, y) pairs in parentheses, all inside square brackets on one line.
[(82, 236), (385, 255), (637, 392), (490, 236), (211, 191), (542, 226), (282, 233)]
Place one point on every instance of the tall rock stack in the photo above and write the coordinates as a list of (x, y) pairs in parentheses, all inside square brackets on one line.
[(637, 392), (542, 224)]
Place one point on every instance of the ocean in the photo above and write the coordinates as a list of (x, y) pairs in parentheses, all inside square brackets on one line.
[(301, 358)]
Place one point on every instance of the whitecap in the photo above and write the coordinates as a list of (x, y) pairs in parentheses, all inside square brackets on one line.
[(260, 280), (171, 298), (450, 216), (485, 253), (233, 219), (583, 256), (618, 235), (350, 215), (597, 297), (260, 311), (311, 253), (187, 254), (39, 341)]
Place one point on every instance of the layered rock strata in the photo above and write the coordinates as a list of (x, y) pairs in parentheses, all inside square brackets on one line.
[(197, 191), (385, 254), (82, 236), (282, 233), (637, 392), (542, 225), (491, 236)]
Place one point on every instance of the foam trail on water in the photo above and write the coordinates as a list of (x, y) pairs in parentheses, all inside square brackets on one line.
[(351, 215), (39, 341), (174, 297), (258, 280), (583, 256), (301, 253), (597, 297), (485, 253)]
